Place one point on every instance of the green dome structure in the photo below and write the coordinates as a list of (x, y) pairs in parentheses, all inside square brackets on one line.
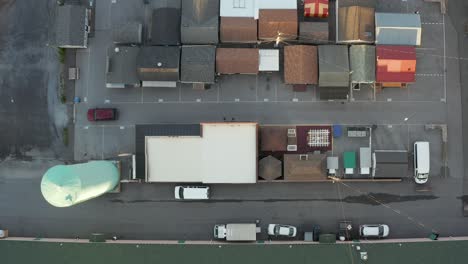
[(67, 185)]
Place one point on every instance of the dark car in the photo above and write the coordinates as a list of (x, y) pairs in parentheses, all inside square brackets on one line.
[(102, 114)]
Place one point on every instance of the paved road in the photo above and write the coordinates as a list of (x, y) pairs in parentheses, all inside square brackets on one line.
[(148, 211)]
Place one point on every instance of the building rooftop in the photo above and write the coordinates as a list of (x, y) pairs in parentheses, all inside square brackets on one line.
[(130, 33), (238, 29), (300, 64), (362, 63), (356, 24), (395, 64), (273, 23), (305, 167), (71, 26), (333, 66), (165, 26), (158, 63), (382, 252), (198, 64), (121, 67), (398, 29), (204, 158), (200, 21), (237, 60), (313, 32)]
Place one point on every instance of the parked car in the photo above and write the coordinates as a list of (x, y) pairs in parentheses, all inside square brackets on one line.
[(102, 114), (282, 230), (192, 192), (374, 231), (422, 162)]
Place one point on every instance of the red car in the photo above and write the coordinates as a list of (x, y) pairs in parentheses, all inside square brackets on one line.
[(102, 114)]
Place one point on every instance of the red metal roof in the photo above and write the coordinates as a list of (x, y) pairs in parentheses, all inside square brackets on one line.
[(395, 64), (316, 8)]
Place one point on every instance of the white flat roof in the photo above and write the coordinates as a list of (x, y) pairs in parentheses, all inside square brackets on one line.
[(225, 153), (269, 60), (249, 8)]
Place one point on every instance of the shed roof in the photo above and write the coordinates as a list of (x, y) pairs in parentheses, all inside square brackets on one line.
[(277, 22), (307, 167), (270, 168), (200, 21), (274, 138), (158, 63), (121, 67), (362, 63), (333, 66), (238, 29), (268, 60), (395, 64), (71, 26), (165, 26), (250, 8), (398, 29), (198, 64), (130, 33), (300, 64), (356, 24), (205, 159), (313, 32), (237, 60), (391, 164)]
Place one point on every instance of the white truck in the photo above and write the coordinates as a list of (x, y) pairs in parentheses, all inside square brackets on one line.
[(236, 232)]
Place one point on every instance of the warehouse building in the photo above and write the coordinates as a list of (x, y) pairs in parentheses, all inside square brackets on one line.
[(72, 26), (221, 153)]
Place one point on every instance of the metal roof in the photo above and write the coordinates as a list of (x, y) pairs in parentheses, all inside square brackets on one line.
[(200, 21), (238, 29), (121, 67), (268, 60), (355, 24), (395, 64), (280, 22), (71, 26), (158, 63), (198, 64), (250, 8), (142, 131), (313, 32), (300, 64), (130, 33), (333, 66), (237, 60), (165, 26), (397, 29), (362, 63)]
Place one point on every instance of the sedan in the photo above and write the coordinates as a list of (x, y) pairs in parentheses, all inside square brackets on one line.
[(282, 230)]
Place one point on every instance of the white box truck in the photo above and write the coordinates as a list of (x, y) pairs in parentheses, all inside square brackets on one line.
[(236, 232)]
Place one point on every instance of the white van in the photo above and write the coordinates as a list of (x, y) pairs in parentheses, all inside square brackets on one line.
[(422, 162), (192, 192)]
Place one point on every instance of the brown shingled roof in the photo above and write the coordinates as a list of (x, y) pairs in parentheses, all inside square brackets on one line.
[(300, 64), (237, 60), (274, 21), (238, 29)]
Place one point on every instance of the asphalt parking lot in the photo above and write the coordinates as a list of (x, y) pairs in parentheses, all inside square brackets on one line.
[(144, 210)]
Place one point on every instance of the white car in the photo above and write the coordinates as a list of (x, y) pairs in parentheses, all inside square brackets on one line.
[(192, 192), (373, 231), (282, 230)]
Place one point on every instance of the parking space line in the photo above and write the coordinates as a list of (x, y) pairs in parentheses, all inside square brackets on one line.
[(180, 93), (102, 140), (445, 61), (237, 101)]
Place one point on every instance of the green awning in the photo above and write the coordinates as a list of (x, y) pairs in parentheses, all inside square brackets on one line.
[(349, 158)]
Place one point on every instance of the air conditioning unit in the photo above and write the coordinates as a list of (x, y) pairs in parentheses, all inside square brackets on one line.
[(291, 132), (292, 147)]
